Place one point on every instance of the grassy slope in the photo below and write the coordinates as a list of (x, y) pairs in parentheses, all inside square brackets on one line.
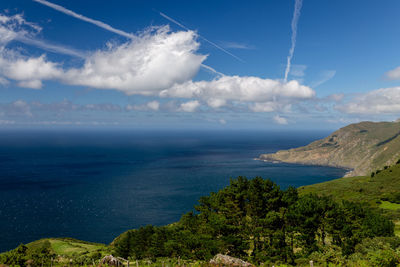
[(68, 247), (366, 190), (363, 147)]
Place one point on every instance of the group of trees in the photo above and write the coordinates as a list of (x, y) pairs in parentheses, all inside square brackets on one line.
[(23, 256), (256, 220)]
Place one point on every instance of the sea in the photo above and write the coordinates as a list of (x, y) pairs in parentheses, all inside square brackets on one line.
[(95, 184)]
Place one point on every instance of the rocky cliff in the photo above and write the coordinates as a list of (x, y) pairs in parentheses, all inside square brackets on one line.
[(362, 148)]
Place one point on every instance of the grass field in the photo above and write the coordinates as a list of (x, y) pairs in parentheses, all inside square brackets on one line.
[(68, 247), (373, 191), (389, 205)]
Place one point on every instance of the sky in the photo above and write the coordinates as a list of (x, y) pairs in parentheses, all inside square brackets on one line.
[(288, 64)]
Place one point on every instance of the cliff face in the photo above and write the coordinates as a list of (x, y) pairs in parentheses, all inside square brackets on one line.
[(361, 147)]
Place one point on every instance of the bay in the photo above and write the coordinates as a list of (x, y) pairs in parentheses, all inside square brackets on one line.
[(95, 184)]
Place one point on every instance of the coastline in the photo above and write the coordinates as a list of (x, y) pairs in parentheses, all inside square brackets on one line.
[(348, 173)]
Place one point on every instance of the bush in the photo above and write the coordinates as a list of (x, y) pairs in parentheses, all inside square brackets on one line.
[(257, 221), (383, 258)]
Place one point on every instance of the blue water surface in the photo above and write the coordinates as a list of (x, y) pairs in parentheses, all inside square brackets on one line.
[(95, 184)]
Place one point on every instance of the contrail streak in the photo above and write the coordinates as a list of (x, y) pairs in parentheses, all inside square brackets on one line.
[(51, 47), (81, 17), (212, 70), (107, 27), (295, 19), (186, 28)]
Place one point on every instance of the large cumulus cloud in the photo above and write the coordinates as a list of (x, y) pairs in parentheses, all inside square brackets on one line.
[(157, 63), (265, 94), (381, 101)]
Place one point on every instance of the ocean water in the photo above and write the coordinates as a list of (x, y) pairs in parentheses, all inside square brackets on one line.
[(94, 185)]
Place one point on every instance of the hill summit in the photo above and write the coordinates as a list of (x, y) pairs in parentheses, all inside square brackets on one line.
[(362, 148)]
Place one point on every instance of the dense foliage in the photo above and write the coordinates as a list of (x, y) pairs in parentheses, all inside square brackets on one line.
[(256, 220), (22, 256), (55, 252)]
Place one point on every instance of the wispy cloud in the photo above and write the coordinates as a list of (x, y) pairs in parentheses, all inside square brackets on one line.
[(235, 45), (157, 63), (381, 101), (51, 47), (263, 95), (84, 18), (16, 28), (189, 106), (156, 60), (212, 70), (280, 120), (295, 19), (208, 41), (298, 70), (152, 105), (325, 76), (73, 52), (393, 74)]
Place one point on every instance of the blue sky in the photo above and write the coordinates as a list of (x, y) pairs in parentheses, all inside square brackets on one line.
[(142, 70)]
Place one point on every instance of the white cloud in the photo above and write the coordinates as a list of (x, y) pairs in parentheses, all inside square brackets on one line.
[(153, 62), (33, 84), (51, 47), (190, 106), (236, 45), (17, 28), (6, 122), (152, 105), (202, 37), (298, 70), (4, 81), (324, 76), (381, 101), (217, 92), (270, 107), (157, 63), (335, 97), (81, 17), (280, 120), (216, 102), (28, 71), (393, 74), (19, 107), (295, 19)]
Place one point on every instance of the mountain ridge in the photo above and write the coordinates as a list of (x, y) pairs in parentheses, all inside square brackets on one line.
[(361, 147)]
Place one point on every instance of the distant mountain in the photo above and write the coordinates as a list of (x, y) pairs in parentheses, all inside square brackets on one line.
[(363, 147)]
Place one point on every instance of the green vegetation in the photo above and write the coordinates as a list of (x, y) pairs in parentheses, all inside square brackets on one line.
[(362, 148), (382, 190), (51, 251), (256, 221), (389, 205)]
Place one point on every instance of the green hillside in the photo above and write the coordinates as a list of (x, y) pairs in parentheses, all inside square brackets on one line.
[(361, 147), (56, 251), (380, 190), (251, 219), (68, 247)]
